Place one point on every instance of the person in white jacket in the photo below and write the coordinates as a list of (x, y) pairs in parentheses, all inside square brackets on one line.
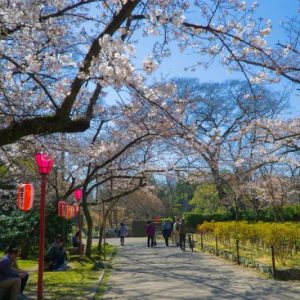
[(176, 228)]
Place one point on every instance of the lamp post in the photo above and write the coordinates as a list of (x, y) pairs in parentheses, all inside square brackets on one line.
[(78, 197), (44, 163)]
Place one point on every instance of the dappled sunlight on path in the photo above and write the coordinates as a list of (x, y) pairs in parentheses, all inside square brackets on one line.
[(167, 273)]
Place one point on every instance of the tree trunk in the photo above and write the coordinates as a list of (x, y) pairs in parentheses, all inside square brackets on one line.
[(89, 221), (100, 237), (237, 212), (219, 182), (102, 227), (256, 215), (276, 214), (237, 208)]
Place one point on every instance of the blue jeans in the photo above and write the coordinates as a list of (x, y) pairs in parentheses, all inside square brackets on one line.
[(24, 281), (62, 267)]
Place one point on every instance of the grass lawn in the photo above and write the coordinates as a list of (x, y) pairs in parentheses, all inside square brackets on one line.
[(75, 283), (80, 281), (28, 264)]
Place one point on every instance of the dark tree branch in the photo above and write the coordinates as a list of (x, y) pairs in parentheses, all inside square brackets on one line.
[(61, 122)]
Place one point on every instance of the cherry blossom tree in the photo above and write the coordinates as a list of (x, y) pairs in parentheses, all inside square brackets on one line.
[(246, 155), (280, 133), (58, 57), (214, 115), (274, 187), (280, 61), (116, 154)]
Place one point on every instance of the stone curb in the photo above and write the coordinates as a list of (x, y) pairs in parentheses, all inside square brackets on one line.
[(101, 277), (92, 295)]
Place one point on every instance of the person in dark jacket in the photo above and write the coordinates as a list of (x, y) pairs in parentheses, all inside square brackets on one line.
[(56, 257), (76, 243), (76, 240), (182, 235), (150, 232), (11, 277), (166, 231)]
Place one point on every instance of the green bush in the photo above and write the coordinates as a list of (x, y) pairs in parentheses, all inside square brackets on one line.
[(290, 213), (192, 219), (22, 228)]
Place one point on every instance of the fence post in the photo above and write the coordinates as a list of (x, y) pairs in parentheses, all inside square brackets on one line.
[(217, 251), (237, 252), (201, 240), (273, 262)]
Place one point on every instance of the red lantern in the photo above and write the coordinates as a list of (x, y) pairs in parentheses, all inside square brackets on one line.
[(44, 162), (78, 194), (73, 212), (25, 196), (76, 208), (70, 212), (62, 208)]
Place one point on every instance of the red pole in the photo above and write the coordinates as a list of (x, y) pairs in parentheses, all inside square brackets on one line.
[(42, 238), (79, 229)]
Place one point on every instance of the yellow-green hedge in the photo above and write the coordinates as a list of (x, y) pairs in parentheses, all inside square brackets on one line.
[(282, 236)]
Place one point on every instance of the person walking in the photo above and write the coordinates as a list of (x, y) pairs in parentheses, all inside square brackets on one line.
[(176, 232), (172, 232), (182, 235), (150, 232), (166, 231), (122, 233)]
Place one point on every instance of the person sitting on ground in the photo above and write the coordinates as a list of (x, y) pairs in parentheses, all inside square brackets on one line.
[(76, 240), (122, 232), (56, 257), (24, 278), (56, 241), (11, 277)]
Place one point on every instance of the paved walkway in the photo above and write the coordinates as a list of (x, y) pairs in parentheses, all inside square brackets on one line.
[(167, 273)]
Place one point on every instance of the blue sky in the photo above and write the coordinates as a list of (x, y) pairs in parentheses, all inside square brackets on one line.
[(276, 10), (174, 66)]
